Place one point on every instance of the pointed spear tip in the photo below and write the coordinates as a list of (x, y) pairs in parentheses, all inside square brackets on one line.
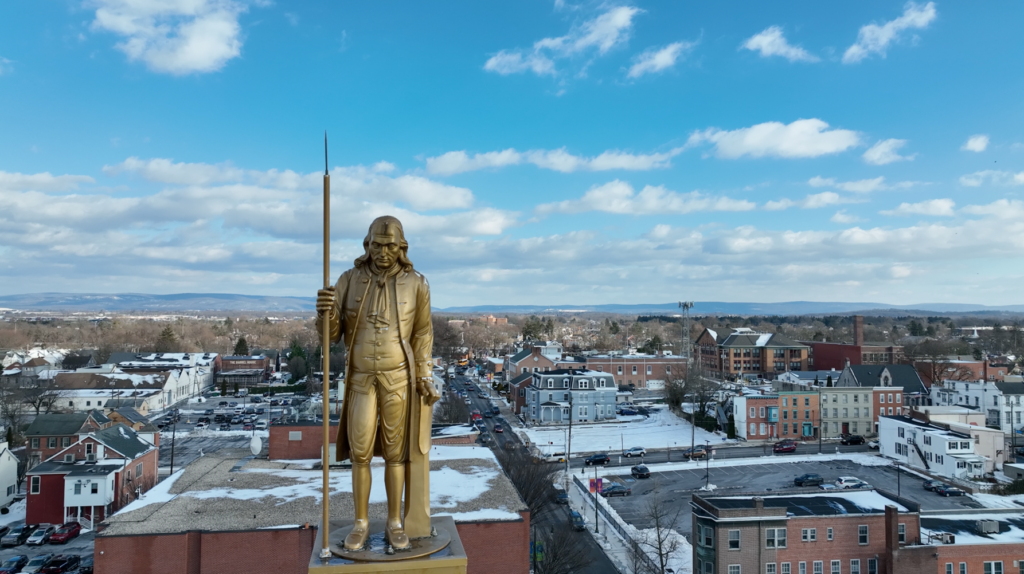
[(326, 171)]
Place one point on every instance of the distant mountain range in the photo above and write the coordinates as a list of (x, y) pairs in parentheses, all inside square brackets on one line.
[(183, 302)]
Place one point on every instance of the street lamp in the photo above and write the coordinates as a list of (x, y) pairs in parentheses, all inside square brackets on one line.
[(707, 464)]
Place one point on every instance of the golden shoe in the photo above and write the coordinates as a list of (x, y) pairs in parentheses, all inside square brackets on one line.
[(396, 535), (356, 539)]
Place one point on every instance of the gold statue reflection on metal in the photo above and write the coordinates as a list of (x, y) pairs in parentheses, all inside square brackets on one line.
[(381, 308)]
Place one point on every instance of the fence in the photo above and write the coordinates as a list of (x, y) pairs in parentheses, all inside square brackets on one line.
[(615, 522)]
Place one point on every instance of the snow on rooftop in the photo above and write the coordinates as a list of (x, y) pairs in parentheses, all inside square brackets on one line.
[(956, 525), (763, 339), (865, 500)]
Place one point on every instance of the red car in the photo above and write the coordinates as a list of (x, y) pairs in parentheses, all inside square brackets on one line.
[(784, 446), (66, 532)]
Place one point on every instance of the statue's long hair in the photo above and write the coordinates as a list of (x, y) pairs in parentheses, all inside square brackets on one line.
[(388, 222)]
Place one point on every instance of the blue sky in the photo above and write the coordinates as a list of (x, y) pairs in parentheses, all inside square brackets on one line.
[(537, 152)]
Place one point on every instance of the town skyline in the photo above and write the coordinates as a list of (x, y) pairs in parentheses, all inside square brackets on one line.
[(537, 154)]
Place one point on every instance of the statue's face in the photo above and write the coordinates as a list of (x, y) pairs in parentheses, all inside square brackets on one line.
[(384, 250)]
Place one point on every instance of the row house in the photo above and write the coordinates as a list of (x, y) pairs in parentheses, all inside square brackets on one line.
[(838, 533), (93, 477), (939, 449), (1001, 403), (51, 433), (798, 417), (533, 358), (640, 371), (914, 394), (855, 410), (756, 416), (745, 353), (563, 394), (517, 392)]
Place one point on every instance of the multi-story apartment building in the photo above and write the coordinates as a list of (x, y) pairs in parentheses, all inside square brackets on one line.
[(852, 410), (558, 395), (798, 414), (840, 533), (944, 449), (1001, 402), (639, 370), (914, 394), (756, 416), (743, 353)]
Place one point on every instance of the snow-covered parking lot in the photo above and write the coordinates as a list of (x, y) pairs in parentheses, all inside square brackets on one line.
[(663, 429)]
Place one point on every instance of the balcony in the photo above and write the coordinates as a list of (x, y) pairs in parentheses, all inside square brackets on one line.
[(773, 414)]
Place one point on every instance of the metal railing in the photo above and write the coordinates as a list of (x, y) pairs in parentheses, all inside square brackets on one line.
[(615, 522)]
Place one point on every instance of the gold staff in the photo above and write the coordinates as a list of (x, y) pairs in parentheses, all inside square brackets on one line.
[(325, 551)]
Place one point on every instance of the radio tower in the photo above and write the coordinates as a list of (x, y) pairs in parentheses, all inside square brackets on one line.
[(686, 306)]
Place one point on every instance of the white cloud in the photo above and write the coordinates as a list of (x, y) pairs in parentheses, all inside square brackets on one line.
[(620, 197), (976, 143), (842, 217), (655, 60), (174, 36), (1012, 209), (934, 207), (557, 160), (41, 181), (885, 152), (813, 201), (771, 42), (595, 36), (861, 185), (874, 38), (799, 139), (995, 177), (5, 66)]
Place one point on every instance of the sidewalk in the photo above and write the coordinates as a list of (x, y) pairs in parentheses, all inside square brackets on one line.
[(608, 539)]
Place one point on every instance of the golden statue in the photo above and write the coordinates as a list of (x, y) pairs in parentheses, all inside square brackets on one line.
[(382, 308)]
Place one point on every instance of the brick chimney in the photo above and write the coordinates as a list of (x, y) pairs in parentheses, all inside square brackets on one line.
[(892, 537), (858, 330)]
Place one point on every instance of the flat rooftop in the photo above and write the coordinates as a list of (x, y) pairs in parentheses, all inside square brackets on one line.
[(231, 490), (852, 502), (966, 528)]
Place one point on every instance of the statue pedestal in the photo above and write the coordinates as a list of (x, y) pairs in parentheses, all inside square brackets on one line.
[(442, 554)]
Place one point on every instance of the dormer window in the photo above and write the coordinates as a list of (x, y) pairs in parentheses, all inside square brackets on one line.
[(565, 383), (584, 384), (551, 383)]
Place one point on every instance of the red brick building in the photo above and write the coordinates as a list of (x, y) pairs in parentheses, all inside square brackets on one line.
[(825, 356), (51, 433), (638, 370), (91, 478), (743, 353)]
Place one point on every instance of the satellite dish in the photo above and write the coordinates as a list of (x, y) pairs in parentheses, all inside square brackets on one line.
[(255, 445)]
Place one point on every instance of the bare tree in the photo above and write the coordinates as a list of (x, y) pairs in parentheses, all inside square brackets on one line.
[(660, 542), (565, 551), (932, 361), (451, 410), (531, 478), (42, 395), (12, 409)]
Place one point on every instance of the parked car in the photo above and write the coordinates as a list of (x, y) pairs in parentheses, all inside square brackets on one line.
[(597, 459), (261, 425), (256, 400), (873, 445), (233, 404), (201, 426), (554, 457), (810, 479), (627, 412), (274, 402), (577, 521), (495, 411), (851, 439), (225, 426), (236, 420), (247, 426), (616, 489), (932, 484), (14, 564), (36, 563), (861, 484), (842, 481), (85, 567), (634, 451), (469, 402), (61, 564), (787, 445), (208, 412), (827, 487), (41, 535), (18, 535), (4, 530), (498, 428), (261, 410), (561, 496), (222, 404), (949, 490), (640, 471), (695, 452), (66, 532), (218, 419)]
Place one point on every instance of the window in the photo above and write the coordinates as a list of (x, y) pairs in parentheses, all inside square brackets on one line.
[(785, 427), (648, 369), (992, 567), (583, 411), (51, 442), (65, 442), (801, 568), (846, 413), (775, 538), (949, 568), (902, 530), (138, 470), (35, 443), (872, 566), (761, 412), (963, 567), (837, 567), (95, 488), (634, 369), (753, 412), (763, 430), (78, 488), (807, 401), (34, 485), (785, 402), (620, 369), (927, 439), (709, 537), (890, 411), (785, 414), (769, 568), (809, 534), (855, 566), (819, 567), (734, 540), (856, 413), (829, 533), (835, 413), (853, 427), (900, 433), (807, 415), (862, 534), (734, 569), (898, 399)]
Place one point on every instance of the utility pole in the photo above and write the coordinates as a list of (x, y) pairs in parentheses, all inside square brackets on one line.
[(597, 487), (686, 306)]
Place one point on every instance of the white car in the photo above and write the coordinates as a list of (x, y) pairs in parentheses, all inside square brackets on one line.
[(848, 481), (41, 535), (202, 426), (634, 451), (261, 425), (873, 445)]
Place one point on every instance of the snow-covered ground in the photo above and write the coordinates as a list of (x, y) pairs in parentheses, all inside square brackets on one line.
[(862, 459), (662, 430), (996, 501)]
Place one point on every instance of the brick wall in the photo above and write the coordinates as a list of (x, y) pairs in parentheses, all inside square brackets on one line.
[(922, 559), (285, 551), (497, 547), (309, 446), (48, 504)]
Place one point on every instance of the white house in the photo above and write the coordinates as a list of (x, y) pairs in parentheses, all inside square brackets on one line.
[(1001, 402), (8, 475), (930, 447)]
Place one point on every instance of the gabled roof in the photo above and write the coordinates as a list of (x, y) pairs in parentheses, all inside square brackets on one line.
[(36, 362), (1011, 388), (520, 379), (57, 424), (904, 376), (72, 362), (515, 359), (131, 414), (123, 440), (746, 338)]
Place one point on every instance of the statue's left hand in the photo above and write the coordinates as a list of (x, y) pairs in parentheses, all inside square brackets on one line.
[(425, 388)]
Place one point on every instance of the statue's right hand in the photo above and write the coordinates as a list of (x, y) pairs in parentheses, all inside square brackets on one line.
[(325, 300)]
